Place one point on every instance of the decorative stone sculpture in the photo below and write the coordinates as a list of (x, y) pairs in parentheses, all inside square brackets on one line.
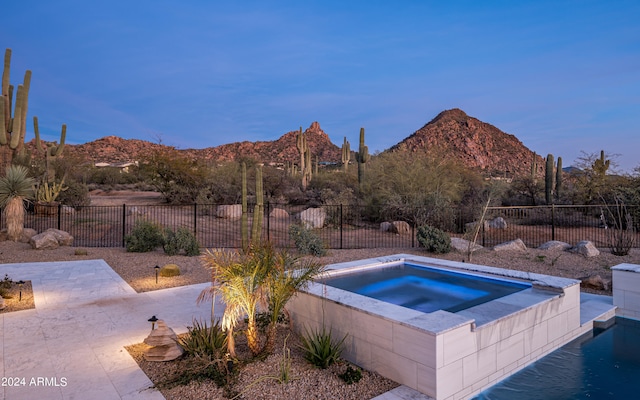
[(164, 342)]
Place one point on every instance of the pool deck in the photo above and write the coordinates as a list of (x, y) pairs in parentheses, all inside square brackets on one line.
[(86, 314)]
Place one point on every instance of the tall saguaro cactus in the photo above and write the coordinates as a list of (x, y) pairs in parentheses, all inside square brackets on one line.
[(51, 151), (13, 129), (346, 154), (258, 210), (305, 158), (548, 179), (559, 178), (362, 156), (244, 223)]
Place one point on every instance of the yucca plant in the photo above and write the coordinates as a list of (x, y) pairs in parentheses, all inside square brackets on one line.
[(321, 348), (203, 340), (15, 187)]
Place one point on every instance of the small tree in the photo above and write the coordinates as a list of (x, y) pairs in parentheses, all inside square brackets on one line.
[(15, 187)]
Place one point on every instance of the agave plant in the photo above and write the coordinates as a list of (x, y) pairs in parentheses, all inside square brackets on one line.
[(15, 187)]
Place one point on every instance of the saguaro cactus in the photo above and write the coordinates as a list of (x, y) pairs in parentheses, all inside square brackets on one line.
[(305, 158), (258, 210), (244, 223), (601, 165), (558, 177), (346, 154), (362, 156), (51, 151), (548, 179), (13, 129)]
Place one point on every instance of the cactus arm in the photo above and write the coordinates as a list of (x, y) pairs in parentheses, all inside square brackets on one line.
[(3, 121), (346, 153), (548, 179), (362, 156), (60, 147), (36, 131), (559, 178), (7, 90), (16, 125)]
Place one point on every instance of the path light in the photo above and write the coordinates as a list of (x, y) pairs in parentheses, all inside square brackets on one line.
[(157, 268), (153, 322), (20, 283)]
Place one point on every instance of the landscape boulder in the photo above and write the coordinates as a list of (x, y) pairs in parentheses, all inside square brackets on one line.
[(586, 248), (593, 282), (462, 245), (517, 245), (51, 239), (385, 226), (496, 223), (400, 227), (279, 213), (164, 344), (229, 211), (68, 210), (313, 217), (169, 270), (555, 245)]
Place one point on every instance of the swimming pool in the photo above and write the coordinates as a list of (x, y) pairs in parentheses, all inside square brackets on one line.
[(602, 364), (425, 289)]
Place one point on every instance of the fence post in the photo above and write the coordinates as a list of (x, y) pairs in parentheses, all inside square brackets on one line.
[(59, 216), (124, 223), (341, 225), (553, 222), (195, 219)]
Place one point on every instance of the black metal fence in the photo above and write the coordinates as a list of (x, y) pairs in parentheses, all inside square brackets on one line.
[(343, 227)]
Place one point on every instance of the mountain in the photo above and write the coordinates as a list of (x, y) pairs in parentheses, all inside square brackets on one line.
[(476, 144), (452, 133)]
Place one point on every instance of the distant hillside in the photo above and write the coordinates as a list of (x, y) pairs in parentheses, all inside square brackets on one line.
[(474, 143)]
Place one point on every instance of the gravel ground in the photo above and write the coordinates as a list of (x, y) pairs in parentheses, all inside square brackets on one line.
[(308, 382)]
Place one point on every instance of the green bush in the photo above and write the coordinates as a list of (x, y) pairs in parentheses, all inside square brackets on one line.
[(76, 195), (145, 236), (181, 240), (320, 348), (306, 241), (433, 239), (351, 375), (202, 340)]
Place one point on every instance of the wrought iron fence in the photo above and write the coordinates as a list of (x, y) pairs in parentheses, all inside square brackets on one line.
[(344, 227)]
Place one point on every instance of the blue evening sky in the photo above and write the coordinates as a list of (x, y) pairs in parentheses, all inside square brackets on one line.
[(562, 76)]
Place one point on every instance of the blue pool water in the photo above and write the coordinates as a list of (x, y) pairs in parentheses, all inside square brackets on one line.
[(600, 365), (425, 289)]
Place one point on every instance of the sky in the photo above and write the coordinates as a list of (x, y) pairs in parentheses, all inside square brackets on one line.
[(562, 76)]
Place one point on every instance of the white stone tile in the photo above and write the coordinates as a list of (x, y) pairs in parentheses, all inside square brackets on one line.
[(450, 379), (414, 344), (478, 366), (510, 350), (458, 343), (395, 367)]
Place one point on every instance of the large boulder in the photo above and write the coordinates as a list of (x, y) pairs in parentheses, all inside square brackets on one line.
[(27, 234), (462, 245), (51, 239), (279, 213), (385, 226), (164, 344), (313, 217), (169, 270), (554, 245), (496, 223), (229, 211), (586, 248), (593, 282), (517, 245), (400, 227)]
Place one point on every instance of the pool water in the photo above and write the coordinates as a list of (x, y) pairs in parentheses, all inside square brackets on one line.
[(425, 289), (604, 364)]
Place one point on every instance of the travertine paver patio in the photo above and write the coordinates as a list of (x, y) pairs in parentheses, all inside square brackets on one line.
[(71, 346)]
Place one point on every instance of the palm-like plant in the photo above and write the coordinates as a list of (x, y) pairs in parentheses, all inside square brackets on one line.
[(15, 187), (260, 279)]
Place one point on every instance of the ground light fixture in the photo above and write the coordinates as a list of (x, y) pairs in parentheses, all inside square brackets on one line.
[(156, 268), (20, 283), (153, 320)]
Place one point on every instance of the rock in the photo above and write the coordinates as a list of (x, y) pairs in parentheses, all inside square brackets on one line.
[(385, 226), (169, 270), (135, 211), (400, 227), (2, 306), (27, 234), (51, 239), (555, 245), (68, 210), (279, 213), (593, 282), (496, 223), (586, 248), (517, 244), (462, 245), (164, 342), (313, 217), (229, 211)]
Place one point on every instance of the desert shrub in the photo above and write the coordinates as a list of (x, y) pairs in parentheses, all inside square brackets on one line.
[(433, 239), (351, 375), (203, 340), (306, 241), (181, 240), (145, 236), (76, 195), (321, 348), (169, 270)]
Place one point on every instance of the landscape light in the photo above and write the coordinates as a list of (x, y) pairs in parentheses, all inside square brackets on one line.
[(20, 283), (153, 320), (157, 268)]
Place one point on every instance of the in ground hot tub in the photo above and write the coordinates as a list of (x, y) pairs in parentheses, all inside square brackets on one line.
[(445, 349)]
